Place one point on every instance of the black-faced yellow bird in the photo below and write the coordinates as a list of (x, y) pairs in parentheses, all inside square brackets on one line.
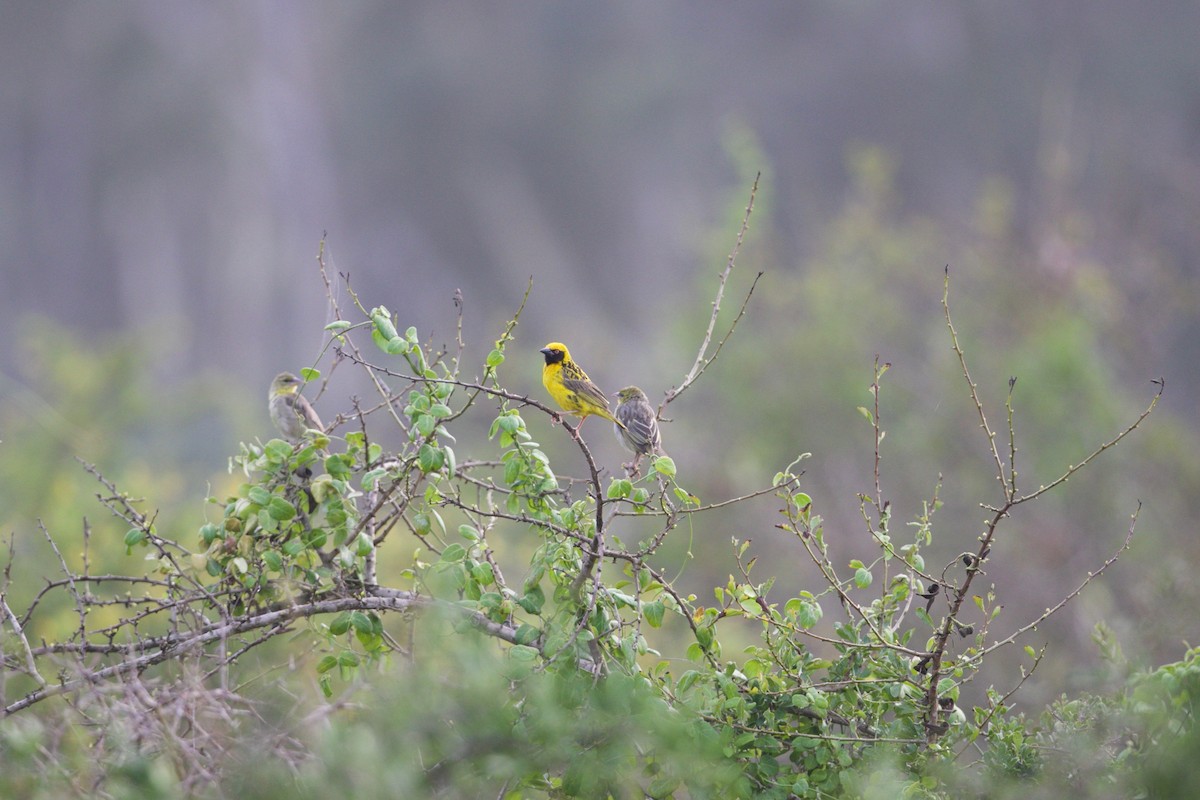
[(570, 386), (291, 413), (637, 426)]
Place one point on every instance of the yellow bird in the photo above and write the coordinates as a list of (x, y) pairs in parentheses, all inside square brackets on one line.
[(570, 386)]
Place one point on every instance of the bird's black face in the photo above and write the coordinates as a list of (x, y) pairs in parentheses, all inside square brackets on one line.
[(553, 355)]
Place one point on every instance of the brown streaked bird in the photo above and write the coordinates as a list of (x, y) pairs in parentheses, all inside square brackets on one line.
[(637, 425)]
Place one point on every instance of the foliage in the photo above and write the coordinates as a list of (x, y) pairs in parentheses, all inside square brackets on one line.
[(541, 675)]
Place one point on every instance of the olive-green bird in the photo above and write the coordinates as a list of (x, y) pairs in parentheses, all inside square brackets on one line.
[(639, 434), (291, 413)]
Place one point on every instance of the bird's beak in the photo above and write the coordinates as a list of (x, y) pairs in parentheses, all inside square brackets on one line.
[(545, 351)]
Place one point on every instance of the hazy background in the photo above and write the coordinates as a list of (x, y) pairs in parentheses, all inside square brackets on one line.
[(168, 170)]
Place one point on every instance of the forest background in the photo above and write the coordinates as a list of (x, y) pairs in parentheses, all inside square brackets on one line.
[(168, 171)]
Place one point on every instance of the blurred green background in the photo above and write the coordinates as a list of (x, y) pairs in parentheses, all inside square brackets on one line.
[(167, 171)]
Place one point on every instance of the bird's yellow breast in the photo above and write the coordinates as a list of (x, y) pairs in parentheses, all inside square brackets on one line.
[(552, 379)]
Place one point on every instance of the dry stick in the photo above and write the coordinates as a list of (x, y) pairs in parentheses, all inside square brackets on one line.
[(135, 517), (506, 336), (80, 608), (31, 668), (962, 362), (702, 359), (159, 649), (382, 390)]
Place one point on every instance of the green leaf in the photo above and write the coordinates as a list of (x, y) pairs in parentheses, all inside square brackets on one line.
[(482, 574), (208, 533), (520, 652), (654, 613), (273, 561), (309, 374), (426, 424), (360, 622), (862, 577), (533, 600), (455, 552), (665, 465), (382, 319), (337, 466), (134, 536), (371, 479), (686, 497), (527, 634), (277, 451), (429, 458), (869, 417), (338, 326), (445, 578), (281, 509), (809, 614), (619, 487), (664, 785), (495, 359), (325, 664), (340, 624), (259, 496)]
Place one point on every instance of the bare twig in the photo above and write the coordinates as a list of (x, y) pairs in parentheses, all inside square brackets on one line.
[(703, 357)]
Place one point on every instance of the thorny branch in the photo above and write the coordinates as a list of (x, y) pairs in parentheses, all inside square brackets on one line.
[(931, 665)]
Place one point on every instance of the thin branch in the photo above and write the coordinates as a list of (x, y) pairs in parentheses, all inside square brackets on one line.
[(962, 362), (1091, 576), (1072, 469), (703, 358)]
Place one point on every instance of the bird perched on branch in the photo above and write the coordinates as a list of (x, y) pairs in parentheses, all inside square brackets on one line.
[(570, 386), (291, 413), (636, 425)]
